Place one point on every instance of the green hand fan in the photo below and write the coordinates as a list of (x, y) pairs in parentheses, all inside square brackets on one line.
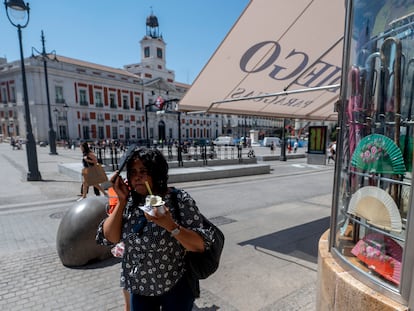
[(408, 155), (378, 154)]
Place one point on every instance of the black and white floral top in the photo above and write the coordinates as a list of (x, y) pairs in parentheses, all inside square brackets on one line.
[(153, 261)]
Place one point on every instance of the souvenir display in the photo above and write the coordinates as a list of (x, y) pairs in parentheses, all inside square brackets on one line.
[(373, 192)]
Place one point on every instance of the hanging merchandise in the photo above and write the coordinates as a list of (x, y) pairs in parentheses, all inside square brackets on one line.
[(406, 141), (391, 63), (354, 110), (355, 115)]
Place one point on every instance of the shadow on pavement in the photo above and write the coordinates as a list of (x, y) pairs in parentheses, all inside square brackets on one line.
[(96, 264), (300, 241), (212, 308)]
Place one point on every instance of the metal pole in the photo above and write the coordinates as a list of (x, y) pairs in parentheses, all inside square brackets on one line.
[(283, 144), (52, 134), (66, 108), (56, 111), (245, 132), (33, 174), (146, 126), (180, 155)]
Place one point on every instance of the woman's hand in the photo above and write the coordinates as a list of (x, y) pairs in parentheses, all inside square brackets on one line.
[(120, 187), (164, 220), (189, 239)]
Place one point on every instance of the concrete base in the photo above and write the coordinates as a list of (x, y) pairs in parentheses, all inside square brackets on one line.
[(185, 174), (275, 157), (214, 172), (318, 159), (338, 290)]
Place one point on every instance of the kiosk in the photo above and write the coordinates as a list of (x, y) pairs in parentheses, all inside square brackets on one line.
[(366, 259)]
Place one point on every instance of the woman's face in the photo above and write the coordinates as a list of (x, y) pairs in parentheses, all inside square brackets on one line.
[(138, 175)]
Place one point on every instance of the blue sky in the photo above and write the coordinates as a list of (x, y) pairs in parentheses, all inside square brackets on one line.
[(108, 32)]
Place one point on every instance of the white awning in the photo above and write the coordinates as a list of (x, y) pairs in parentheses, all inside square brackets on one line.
[(281, 59)]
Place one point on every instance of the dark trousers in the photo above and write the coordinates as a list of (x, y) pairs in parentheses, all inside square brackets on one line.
[(179, 298)]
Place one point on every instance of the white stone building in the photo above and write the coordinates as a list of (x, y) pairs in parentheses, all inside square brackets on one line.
[(95, 102)]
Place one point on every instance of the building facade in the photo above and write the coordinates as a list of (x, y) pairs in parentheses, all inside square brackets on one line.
[(95, 102)]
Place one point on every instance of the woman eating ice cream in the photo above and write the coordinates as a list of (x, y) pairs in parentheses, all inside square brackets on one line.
[(153, 265)]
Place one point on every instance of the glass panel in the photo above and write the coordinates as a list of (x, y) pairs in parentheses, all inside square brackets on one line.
[(112, 100), (83, 98), (98, 99), (59, 94), (377, 140)]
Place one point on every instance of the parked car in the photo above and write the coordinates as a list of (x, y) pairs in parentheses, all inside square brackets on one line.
[(267, 141), (224, 141)]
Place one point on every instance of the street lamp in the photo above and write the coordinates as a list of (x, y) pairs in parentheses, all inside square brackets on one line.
[(66, 109), (283, 142), (146, 124), (20, 10), (52, 134), (56, 112)]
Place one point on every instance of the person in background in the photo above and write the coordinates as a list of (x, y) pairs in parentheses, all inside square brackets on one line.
[(332, 152), (88, 159), (118, 249), (153, 263), (95, 190)]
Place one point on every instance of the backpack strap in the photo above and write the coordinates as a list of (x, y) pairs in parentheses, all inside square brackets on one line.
[(174, 200)]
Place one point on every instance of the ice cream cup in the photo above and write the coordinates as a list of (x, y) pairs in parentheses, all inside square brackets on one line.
[(160, 209)]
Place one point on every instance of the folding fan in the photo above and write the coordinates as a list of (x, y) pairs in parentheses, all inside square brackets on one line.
[(377, 207), (377, 153), (381, 254)]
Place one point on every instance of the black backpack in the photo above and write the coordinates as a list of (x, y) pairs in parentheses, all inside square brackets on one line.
[(202, 265)]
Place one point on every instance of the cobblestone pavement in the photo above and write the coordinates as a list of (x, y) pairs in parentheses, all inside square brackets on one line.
[(32, 276)]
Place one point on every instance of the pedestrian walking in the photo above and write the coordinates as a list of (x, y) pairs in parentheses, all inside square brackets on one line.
[(331, 152), (272, 148), (153, 263), (295, 146), (88, 159)]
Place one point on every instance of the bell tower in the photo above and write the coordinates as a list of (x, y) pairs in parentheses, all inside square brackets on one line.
[(153, 45), (153, 54)]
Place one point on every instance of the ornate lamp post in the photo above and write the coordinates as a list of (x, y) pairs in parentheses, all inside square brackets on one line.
[(52, 134), (18, 9)]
